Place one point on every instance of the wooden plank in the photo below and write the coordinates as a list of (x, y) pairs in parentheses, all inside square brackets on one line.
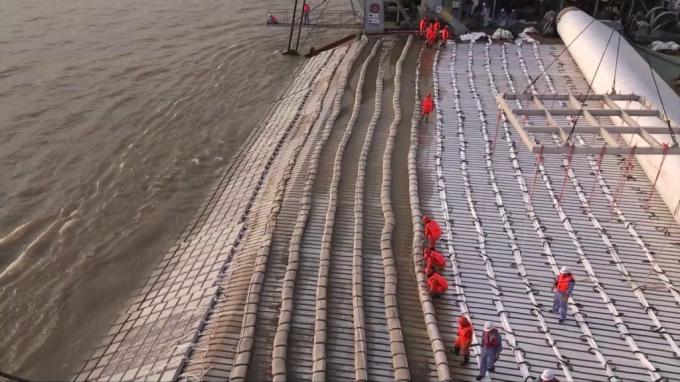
[(550, 119), (611, 141), (515, 123)]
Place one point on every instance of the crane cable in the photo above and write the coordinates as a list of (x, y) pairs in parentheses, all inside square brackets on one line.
[(663, 107), (590, 86)]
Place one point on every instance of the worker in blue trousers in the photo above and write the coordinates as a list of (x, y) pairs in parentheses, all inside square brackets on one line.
[(563, 287), (492, 344)]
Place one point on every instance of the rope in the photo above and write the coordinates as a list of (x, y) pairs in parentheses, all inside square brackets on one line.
[(597, 171), (567, 167), (533, 81), (621, 182), (590, 86), (651, 190), (616, 64), (539, 161), (663, 107)]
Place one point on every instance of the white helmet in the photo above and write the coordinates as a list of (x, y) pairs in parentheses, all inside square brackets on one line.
[(547, 375), (565, 269), (488, 326)]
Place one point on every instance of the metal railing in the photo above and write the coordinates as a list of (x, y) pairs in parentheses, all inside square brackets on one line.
[(336, 18)]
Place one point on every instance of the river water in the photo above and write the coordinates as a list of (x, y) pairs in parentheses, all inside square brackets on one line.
[(115, 119)]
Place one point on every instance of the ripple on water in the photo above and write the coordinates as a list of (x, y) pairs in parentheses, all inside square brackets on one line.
[(116, 118)]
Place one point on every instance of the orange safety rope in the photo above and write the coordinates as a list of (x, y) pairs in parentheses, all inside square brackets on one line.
[(651, 190), (623, 177), (597, 171), (570, 156), (539, 161)]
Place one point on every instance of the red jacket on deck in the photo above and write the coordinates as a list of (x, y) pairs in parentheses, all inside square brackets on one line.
[(436, 284), (445, 34), (428, 104), (434, 261), (464, 339), (436, 27), (422, 27), (432, 230), (431, 35)]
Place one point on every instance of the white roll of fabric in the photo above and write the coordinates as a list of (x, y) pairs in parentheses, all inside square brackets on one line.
[(588, 39)]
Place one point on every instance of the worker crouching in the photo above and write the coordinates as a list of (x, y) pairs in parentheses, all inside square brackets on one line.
[(436, 285), (434, 261), (464, 339), (432, 230)]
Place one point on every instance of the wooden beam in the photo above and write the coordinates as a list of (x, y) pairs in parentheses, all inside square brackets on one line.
[(595, 129), (653, 142), (519, 127), (610, 150), (611, 141), (550, 119)]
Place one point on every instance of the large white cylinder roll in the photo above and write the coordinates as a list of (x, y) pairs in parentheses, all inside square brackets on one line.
[(632, 77)]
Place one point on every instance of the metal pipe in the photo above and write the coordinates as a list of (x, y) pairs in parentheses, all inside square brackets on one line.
[(302, 19), (292, 26)]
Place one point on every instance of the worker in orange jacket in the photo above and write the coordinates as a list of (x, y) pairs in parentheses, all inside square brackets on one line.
[(464, 339), (427, 106), (432, 231), (434, 261), (422, 28), (563, 287), (436, 285)]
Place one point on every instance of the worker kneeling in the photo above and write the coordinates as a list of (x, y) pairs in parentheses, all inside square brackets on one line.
[(436, 285), (434, 261), (432, 231)]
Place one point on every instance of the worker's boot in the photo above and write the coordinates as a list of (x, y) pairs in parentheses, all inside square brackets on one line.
[(456, 350), (466, 360)]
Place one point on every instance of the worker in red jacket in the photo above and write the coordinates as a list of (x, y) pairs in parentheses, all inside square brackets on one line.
[(422, 27), (432, 231), (563, 287), (436, 285), (305, 13), (427, 106), (464, 339), (434, 261), (437, 26), (431, 35), (445, 35)]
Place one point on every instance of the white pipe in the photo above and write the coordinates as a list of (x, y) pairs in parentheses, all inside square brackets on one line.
[(632, 76)]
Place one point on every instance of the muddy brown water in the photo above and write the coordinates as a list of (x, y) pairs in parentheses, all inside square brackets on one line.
[(116, 117)]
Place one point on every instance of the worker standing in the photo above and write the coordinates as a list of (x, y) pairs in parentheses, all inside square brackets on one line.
[(445, 35), (432, 231), (436, 285), (548, 376), (437, 26), (434, 261), (427, 106), (431, 35), (305, 13), (422, 28), (464, 339), (563, 287), (492, 344)]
